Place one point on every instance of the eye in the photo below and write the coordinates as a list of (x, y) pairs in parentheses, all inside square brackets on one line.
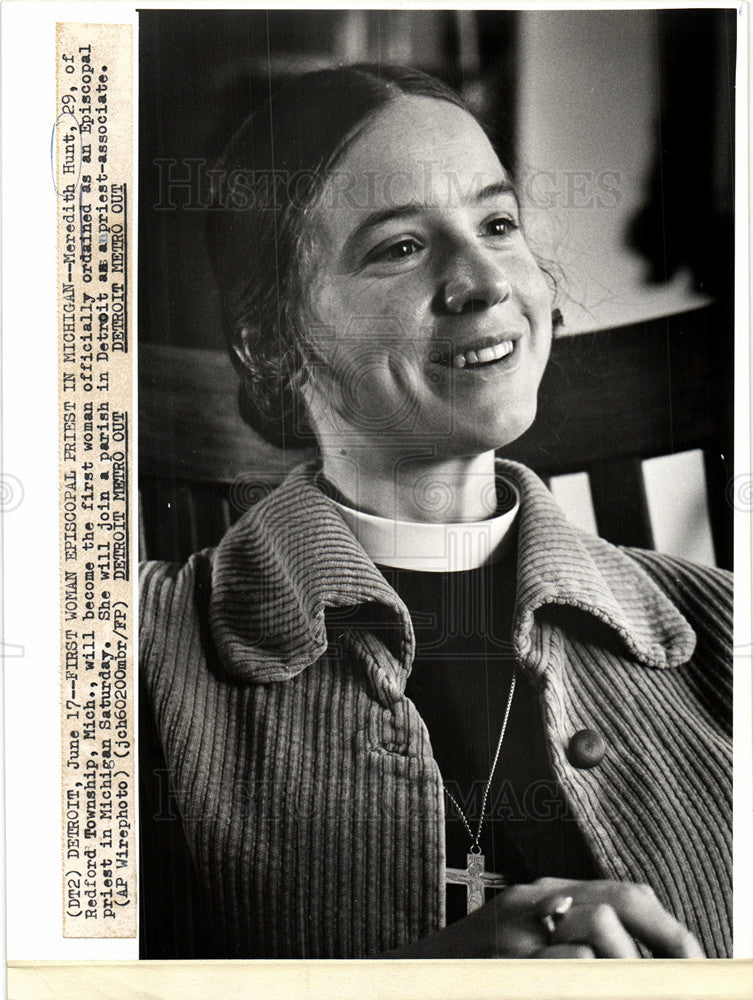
[(402, 249), (395, 250), (501, 225)]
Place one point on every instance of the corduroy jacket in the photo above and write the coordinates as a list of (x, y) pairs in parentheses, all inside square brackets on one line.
[(309, 797)]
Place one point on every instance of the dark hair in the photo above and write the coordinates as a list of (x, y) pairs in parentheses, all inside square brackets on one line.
[(269, 176)]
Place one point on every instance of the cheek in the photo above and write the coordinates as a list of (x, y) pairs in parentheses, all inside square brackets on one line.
[(394, 306), (535, 291), (374, 329), (532, 286), (363, 365)]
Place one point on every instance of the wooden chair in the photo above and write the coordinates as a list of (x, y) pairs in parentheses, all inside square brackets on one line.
[(608, 400)]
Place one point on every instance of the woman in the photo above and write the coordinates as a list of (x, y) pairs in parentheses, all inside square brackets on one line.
[(402, 679)]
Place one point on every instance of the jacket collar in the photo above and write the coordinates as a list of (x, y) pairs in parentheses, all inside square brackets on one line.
[(291, 557)]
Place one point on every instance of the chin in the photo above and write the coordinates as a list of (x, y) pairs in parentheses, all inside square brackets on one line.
[(501, 430), (512, 434), (475, 443)]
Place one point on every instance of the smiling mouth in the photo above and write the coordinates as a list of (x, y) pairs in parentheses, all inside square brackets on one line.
[(483, 357)]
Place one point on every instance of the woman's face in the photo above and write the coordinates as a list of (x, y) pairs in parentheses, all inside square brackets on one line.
[(431, 319)]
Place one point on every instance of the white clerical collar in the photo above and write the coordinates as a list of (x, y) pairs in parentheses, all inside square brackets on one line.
[(431, 547)]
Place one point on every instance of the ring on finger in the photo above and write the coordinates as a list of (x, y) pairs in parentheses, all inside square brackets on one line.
[(551, 911)]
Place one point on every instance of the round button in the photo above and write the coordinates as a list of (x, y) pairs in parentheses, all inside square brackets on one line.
[(587, 749)]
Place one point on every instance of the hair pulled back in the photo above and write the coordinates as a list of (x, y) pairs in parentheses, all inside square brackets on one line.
[(264, 188)]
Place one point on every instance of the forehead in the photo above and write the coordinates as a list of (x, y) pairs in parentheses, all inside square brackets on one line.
[(417, 150)]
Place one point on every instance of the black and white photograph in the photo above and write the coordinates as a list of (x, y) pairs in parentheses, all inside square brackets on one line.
[(437, 484), (377, 521)]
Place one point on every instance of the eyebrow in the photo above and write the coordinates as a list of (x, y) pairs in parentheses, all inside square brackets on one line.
[(493, 190), (374, 219)]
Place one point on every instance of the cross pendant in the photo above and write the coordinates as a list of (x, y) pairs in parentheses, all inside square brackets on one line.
[(476, 880)]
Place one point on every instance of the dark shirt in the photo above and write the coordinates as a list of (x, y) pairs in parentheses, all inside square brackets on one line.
[(460, 684)]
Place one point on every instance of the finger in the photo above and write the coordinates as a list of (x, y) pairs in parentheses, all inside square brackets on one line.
[(554, 906), (643, 916), (565, 951), (599, 927)]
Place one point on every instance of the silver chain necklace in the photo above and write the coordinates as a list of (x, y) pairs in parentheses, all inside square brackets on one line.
[(474, 877)]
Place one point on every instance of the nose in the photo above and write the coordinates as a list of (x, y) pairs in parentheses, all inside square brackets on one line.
[(474, 284)]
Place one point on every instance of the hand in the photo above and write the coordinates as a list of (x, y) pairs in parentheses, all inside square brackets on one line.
[(604, 921)]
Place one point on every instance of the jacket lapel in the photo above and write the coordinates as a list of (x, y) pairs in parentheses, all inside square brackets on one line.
[(558, 565), (292, 557)]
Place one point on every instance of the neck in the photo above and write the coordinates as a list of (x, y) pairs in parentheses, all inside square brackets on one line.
[(448, 491)]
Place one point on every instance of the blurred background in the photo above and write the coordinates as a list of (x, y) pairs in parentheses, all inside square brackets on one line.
[(618, 126)]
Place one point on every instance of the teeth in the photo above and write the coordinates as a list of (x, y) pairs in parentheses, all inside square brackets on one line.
[(487, 354), (483, 355)]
